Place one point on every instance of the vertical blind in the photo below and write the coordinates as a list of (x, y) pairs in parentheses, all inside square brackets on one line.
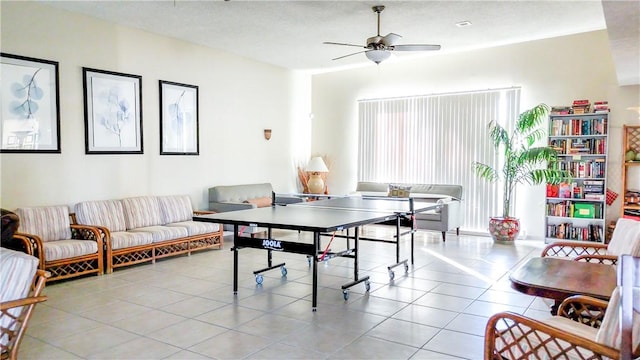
[(434, 139)]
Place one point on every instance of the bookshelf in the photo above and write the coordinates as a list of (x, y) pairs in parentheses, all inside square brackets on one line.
[(576, 211), (630, 173)]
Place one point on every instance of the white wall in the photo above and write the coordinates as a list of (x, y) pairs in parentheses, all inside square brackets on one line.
[(553, 71), (238, 99)]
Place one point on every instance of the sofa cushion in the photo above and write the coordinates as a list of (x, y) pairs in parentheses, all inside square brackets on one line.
[(50, 223), (372, 187), (260, 201), (127, 239), (65, 249), (197, 227), (625, 238), (175, 208), (163, 233), (142, 211), (430, 215), (610, 333), (107, 213)]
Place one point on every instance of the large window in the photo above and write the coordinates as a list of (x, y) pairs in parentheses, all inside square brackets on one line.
[(434, 139)]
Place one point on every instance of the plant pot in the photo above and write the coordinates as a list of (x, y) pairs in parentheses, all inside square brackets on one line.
[(504, 230)]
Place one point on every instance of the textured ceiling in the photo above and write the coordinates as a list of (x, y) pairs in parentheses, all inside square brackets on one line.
[(289, 34)]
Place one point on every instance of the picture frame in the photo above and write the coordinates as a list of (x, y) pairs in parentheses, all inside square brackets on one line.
[(179, 119), (112, 112), (30, 105)]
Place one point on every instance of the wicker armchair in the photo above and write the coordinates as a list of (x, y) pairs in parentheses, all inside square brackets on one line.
[(572, 334), (65, 250), (625, 240), (18, 323), (20, 290)]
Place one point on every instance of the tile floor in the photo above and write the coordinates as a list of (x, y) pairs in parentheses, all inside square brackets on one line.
[(184, 307)]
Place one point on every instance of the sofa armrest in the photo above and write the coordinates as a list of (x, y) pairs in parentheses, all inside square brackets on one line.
[(229, 206), (20, 242), (86, 232), (447, 216), (33, 246), (453, 214)]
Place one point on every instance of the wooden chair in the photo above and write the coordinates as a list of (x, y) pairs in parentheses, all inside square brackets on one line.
[(21, 287), (65, 250), (571, 334), (629, 280), (18, 322), (625, 240)]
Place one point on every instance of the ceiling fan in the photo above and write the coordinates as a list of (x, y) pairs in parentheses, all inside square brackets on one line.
[(379, 48)]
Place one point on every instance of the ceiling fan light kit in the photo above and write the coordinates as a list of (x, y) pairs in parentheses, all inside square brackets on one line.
[(377, 56), (379, 47)]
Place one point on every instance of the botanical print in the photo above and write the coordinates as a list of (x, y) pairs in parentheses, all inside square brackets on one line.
[(179, 118), (29, 108), (113, 112), (114, 122)]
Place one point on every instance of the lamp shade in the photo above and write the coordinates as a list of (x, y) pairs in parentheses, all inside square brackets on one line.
[(316, 164), (377, 56)]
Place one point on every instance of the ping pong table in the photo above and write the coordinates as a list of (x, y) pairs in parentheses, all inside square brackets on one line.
[(321, 218)]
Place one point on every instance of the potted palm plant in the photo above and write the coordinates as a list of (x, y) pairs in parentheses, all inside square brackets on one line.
[(523, 163)]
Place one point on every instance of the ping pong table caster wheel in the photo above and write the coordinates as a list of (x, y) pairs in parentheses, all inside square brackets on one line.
[(345, 294), (406, 268), (367, 285), (259, 279), (283, 270), (392, 275)]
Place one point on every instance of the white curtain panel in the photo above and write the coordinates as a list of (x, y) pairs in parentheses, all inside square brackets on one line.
[(434, 139)]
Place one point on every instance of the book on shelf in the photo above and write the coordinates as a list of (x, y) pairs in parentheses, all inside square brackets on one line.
[(601, 107), (594, 182), (580, 102), (564, 191), (591, 232), (599, 197), (560, 110)]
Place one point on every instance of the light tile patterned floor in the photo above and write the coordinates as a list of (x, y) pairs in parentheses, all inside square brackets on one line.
[(184, 307)]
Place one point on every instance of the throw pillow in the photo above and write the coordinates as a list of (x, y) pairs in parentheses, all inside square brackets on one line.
[(260, 202), (399, 190)]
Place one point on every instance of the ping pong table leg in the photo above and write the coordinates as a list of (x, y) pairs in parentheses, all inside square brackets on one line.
[(314, 297), (235, 261), (414, 227), (356, 278), (356, 239), (397, 239)]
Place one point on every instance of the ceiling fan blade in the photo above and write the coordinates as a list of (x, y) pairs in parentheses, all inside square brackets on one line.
[(345, 44), (416, 47), (390, 39), (344, 56)]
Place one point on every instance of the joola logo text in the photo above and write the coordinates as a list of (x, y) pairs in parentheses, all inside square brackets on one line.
[(271, 244)]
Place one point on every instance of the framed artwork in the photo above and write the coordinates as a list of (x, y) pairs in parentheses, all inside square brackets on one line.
[(112, 112), (30, 105), (178, 119)]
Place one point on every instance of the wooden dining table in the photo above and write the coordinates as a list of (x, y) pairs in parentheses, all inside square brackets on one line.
[(558, 278)]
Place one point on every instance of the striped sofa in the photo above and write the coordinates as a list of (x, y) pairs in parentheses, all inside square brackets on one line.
[(64, 249), (146, 228)]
